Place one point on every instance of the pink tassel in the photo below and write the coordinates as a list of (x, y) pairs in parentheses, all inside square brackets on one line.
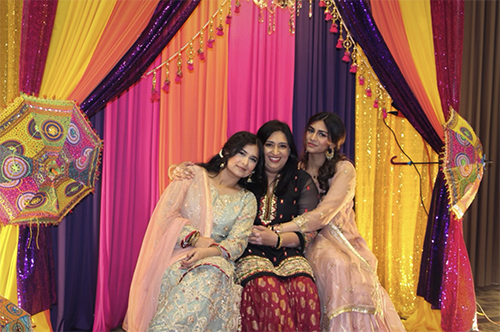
[(328, 16), (190, 64), (368, 92), (361, 80), (155, 96), (354, 68), (237, 8), (220, 30), (322, 3), (347, 56), (178, 76), (339, 43), (384, 113), (210, 43), (334, 28), (201, 54), (166, 86), (228, 19), (375, 104)]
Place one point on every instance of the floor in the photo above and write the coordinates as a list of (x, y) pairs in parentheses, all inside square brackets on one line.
[(489, 299)]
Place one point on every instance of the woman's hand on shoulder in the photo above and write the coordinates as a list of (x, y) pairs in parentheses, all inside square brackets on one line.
[(182, 171)]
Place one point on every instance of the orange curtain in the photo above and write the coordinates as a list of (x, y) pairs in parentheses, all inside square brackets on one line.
[(193, 116), (125, 24)]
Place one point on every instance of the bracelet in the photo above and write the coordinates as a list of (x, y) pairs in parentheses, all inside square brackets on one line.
[(194, 238), (279, 242), (169, 172)]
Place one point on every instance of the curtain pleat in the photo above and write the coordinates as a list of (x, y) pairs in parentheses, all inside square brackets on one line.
[(480, 106), (389, 213), (77, 28), (124, 25), (193, 119), (10, 42), (261, 69), (129, 194), (399, 36), (167, 19), (322, 80), (38, 21)]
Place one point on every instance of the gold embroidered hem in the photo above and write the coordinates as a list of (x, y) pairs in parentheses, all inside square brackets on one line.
[(251, 266), (352, 308)]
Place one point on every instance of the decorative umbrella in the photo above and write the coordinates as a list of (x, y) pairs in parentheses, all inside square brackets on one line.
[(49, 156), (463, 163)]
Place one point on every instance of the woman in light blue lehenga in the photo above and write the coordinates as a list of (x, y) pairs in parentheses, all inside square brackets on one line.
[(184, 278)]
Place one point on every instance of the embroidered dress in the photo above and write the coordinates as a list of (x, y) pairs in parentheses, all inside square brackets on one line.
[(279, 290), (203, 297), (345, 269)]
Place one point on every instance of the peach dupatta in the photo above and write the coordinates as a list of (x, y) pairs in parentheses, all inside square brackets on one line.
[(158, 251)]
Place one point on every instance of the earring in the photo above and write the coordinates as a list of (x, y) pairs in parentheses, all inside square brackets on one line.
[(222, 165), (329, 153), (249, 180)]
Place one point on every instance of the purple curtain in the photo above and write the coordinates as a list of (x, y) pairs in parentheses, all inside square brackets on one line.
[(323, 82), (76, 250), (167, 19)]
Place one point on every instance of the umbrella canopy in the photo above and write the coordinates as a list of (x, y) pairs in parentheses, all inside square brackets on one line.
[(463, 163), (49, 156)]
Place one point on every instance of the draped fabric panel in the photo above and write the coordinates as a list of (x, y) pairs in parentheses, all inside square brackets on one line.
[(129, 194), (38, 21), (126, 21), (389, 212), (362, 26), (77, 28), (480, 106), (400, 35), (261, 70), (322, 80), (10, 36), (76, 247), (193, 116), (167, 19)]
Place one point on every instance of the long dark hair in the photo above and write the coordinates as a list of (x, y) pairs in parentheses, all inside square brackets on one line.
[(233, 146), (336, 134), (288, 171)]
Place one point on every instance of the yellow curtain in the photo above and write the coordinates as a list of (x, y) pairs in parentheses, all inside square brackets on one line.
[(417, 21), (77, 29), (193, 114), (11, 13), (389, 212)]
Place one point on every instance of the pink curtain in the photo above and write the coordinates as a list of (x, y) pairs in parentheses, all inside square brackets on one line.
[(129, 194), (261, 69)]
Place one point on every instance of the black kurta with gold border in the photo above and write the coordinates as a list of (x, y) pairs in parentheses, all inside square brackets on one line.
[(300, 196)]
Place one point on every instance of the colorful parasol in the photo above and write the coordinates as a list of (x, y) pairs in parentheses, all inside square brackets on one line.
[(49, 156), (463, 163)]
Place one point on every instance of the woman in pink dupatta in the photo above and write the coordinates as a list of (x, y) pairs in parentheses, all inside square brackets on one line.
[(184, 278), (345, 269)]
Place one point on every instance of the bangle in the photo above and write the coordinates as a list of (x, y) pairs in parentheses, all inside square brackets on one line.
[(277, 228), (194, 238), (169, 172), (279, 242)]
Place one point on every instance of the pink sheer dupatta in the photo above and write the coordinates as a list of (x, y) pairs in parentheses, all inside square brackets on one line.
[(180, 199)]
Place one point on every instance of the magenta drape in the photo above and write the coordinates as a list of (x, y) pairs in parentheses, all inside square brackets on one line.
[(458, 300), (129, 194), (261, 70), (38, 21), (447, 28)]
